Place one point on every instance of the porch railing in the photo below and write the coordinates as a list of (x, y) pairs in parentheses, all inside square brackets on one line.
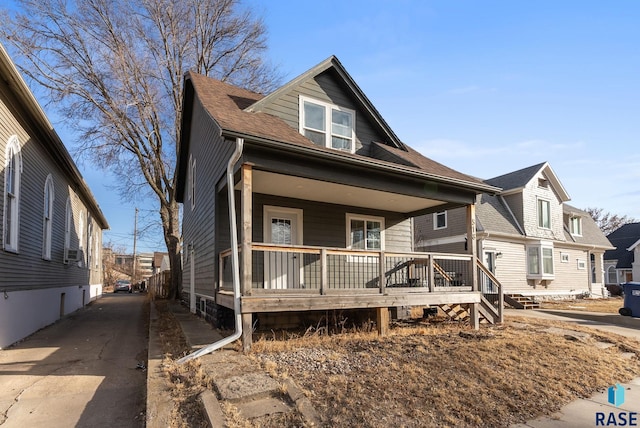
[(321, 270), (492, 292)]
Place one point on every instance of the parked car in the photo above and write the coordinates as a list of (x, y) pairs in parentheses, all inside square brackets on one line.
[(123, 285)]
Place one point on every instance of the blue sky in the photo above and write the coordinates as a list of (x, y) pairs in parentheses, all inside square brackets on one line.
[(485, 87)]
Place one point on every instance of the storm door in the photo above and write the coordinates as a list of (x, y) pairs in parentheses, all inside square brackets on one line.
[(282, 266)]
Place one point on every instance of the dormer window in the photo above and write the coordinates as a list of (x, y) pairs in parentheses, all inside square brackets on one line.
[(575, 226), (327, 125)]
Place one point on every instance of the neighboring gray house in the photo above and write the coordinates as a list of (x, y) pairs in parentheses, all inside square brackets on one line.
[(528, 236), (622, 264), (324, 196), (51, 256)]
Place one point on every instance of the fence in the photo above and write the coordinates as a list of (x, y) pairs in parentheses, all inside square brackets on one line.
[(158, 285)]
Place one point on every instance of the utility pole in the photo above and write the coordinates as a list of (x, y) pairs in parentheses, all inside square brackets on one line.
[(135, 236)]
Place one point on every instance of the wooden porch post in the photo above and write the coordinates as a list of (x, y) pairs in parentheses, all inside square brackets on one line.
[(246, 208), (472, 249), (382, 320)]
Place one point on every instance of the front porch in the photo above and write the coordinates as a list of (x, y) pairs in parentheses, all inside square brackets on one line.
[(309, 278)]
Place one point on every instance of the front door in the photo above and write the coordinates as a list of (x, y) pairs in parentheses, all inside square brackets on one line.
[(282, 269), (490, 263)]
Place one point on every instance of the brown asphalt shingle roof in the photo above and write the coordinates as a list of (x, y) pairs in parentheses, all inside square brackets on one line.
[(227, 103)]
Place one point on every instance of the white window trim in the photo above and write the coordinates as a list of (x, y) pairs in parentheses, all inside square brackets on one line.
[(579, 233), (269, 210), (68, 224), (539, 218), (541, 275), (327, 118), (351, 216), (564, 257), (47, 223), (192, 182), (435, 220), (581, 264), (13, 146)]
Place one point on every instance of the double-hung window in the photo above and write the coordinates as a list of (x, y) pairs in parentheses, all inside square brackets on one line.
[(365, 233), (68, 224), (327, 124), (12, 171), (540, 261), (47, 218), (575, 226), (544, 214)]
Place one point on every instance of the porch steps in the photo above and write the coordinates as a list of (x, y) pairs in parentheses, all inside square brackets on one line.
[(460, 313), (518, 301), (455, 312)]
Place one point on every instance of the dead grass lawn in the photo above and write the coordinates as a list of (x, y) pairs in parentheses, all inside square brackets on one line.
[(447, 375), (609, 306)]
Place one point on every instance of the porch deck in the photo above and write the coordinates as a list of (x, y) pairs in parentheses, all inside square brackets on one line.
[(302, 278)]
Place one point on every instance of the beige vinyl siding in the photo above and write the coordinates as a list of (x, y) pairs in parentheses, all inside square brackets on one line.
[(27, 269), (211, 154), (567, 275), (324, 88), (511, 266)]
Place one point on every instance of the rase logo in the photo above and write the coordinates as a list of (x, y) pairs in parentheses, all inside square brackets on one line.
[(613, 419)]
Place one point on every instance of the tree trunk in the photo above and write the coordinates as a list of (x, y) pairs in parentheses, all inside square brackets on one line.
[(171, 228)]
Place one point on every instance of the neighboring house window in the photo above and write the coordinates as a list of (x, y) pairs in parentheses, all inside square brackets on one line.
[(192, 182), (365, 233), (612, 275), (575, 226), (12, 171), (81, 235), (68, 223), (540, 261), (327, 125), (440, 220), (544, 214), (90, 240), (47, 218)]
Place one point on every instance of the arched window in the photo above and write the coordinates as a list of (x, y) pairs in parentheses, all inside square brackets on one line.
[(12, 171), (47, 217), (612, 275)]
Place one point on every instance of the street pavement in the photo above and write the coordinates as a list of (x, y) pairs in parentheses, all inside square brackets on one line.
[(82, 371)]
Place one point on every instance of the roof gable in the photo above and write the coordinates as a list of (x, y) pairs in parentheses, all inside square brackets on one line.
[(623, 239), (515, 181), (332, 70)]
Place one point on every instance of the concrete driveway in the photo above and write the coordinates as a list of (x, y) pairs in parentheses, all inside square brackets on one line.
[(82, 371)]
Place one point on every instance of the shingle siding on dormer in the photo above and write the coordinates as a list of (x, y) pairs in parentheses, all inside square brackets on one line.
[(530, 196)]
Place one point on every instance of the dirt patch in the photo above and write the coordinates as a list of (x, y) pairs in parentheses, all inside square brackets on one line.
[(446, 374), (186, 381)]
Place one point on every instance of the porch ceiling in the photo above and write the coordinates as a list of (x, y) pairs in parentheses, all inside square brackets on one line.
[(322, 191)]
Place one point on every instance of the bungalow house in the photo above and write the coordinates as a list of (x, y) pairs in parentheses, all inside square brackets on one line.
[(622, 264), (51, 256), (323, 197), (534, 243)]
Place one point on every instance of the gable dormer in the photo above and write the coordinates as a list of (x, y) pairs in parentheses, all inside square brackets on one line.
[(326, 106)]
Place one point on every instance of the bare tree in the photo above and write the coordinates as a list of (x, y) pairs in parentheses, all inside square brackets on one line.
[(114, 70), (606, 221)]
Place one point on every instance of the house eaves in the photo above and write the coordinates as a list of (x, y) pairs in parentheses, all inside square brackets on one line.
[(333, 63), (341, 157), (634, 245), (50, 140)]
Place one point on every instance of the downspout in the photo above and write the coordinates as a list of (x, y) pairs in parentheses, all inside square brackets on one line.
[(235, 263)]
